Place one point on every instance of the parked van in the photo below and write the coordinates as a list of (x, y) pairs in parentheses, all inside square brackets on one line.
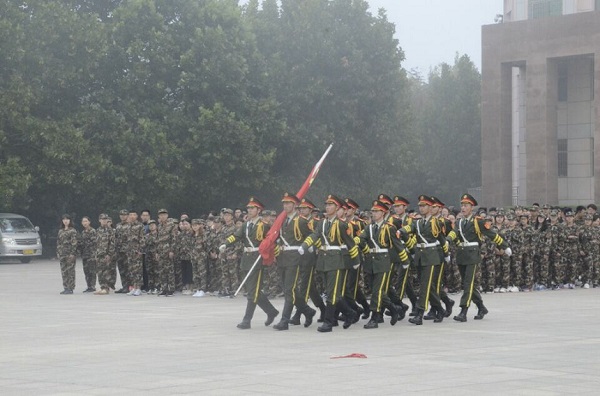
[(19, 238)]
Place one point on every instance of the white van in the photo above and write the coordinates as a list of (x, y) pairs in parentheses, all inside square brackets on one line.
[(19, 238)]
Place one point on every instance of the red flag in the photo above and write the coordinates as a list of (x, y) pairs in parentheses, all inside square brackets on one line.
[(267, 246)]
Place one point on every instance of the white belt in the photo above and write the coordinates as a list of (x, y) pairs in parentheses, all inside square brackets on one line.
[(330, 248), (465, 244), (428, 245), (250, 249), (291, 247), (378, 250)]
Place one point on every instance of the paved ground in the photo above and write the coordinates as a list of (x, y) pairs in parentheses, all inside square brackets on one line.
[(531, 343)]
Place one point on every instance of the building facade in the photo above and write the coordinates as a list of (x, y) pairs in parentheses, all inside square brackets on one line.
[(540, 78)]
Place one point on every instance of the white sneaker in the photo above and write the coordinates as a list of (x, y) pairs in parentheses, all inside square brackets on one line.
[(131, 292), (514, 289), (496, 290), (502, 290), (137, 292), (586, 286), (199, 293)]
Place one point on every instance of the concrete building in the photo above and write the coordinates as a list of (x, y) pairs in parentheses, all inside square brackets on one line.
[(540, 78)]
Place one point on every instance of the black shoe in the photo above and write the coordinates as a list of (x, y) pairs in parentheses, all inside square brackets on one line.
[(481, 313), (440, 315), (67, 291), (418, 318), (449, 308), (334, 323), (367, 312), (462, 316), (309, 315), (162, 293), (295, 320), (90, 290), (324, 328), (170, 294), (122, 291), (322, 315), (243, 325), (350, 319), (405, 307), (394, 312), (271, 317), (282, 325), (431, 315), (413, 311), (372, 324), (401, 311)]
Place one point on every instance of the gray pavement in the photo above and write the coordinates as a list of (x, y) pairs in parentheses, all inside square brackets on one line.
[(531, 343)]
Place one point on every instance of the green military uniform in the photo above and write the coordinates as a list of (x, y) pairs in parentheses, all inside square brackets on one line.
[(87, 248), (66, 249), (430, 237), (251, 234), (331, 237), (105, 252), (468, 234), (381, 243), (293, 231)]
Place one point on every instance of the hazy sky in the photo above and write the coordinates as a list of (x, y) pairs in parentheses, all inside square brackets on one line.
[(432, 31)]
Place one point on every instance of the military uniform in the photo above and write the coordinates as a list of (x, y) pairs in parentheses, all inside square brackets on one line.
[(135, 247), (151, 243), (105, 253), (184, 245), (199, 255), (331, 237), (588, 239), (293, 231), (381, 243), (164, 255), (468, 234), (251, 234), (570, 256), (87, 248), (430, 237), (229, 262), (66, 249), (353, 292), (121, 257)]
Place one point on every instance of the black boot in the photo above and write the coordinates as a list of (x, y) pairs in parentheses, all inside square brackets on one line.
[(326, 327), (295, 320), (245, 323), (372, 324), (449, 304), (360, 298), (440, 314), (309, 314), (462, 316), (431, 315), (481, 312), (282, 325), (264, 304), (414, 310), (394, 314), (323, 311), (349, 314), (418, 319)]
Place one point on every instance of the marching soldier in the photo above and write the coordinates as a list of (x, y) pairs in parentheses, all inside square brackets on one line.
[(330, 237), (251, 234), (294, 230), (381, 243), (430, 237), (307, 288), (353, 291), (468, 234)]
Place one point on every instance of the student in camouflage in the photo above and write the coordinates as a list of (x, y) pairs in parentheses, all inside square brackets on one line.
[(121, 258), (66, 249), (87, 249), (105, 253), (135, 247), (151, 243)]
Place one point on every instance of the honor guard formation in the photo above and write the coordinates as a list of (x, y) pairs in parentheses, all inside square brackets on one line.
[(350, 264)]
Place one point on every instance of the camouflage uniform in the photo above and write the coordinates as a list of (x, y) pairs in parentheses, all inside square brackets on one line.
[(87, 248), (105, 253), (135, 246), (66, 249), (501, 262), (570, 255), (151, 243), (215, 238), (515, 238), (229, 261), (164, 247), (588, 238), (528, 251), (555, 246), (121, 232), (542, 240), (199, 262), (487, 276), (184, 246)]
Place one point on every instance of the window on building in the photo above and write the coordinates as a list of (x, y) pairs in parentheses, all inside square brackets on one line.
[(562, 81), (545, 8), (562, 158)]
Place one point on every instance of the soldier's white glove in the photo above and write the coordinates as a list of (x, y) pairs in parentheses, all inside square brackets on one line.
[(508, 252), (405, 266), (222, 248), (311, 249), (356, 266), (447, 259), (301, 250)]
